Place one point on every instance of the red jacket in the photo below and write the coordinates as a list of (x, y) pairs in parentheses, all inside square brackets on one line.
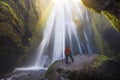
[(67, 51)]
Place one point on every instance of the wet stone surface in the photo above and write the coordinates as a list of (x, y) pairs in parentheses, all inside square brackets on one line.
[(27, 75)]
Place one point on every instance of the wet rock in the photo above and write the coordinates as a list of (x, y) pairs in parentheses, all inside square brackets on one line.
[(61, 71), (85, 67), (110, 8), (18, 21), (28, 75)]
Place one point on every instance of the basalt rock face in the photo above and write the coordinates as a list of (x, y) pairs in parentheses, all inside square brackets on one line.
[(110, 8), (18, 20)]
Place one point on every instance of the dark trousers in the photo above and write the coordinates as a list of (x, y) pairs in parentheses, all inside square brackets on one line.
[(66, 57)]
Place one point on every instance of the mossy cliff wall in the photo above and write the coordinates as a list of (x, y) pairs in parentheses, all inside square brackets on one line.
[(18, 21), (110, 8)]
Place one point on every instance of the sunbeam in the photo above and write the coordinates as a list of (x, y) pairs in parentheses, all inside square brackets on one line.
[(60, 31)]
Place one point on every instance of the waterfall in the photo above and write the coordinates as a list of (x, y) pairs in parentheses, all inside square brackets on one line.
[(60, 31)]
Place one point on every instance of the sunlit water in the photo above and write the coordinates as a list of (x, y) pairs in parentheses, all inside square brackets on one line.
[(61, 30)]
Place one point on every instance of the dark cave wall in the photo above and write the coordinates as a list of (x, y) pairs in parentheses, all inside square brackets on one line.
[(18, 21), (110, 8), (112, 38)]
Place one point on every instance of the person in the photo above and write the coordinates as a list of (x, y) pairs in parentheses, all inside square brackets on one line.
[(68, 54)]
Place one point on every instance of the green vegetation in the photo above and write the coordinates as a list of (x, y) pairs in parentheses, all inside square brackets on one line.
[(18, 20), (96, 5), (113, 19), (98, 38), (20, 27), (4, 0), (10, 24), (49, 70), (99, 60), (88, 5), (103, 6)]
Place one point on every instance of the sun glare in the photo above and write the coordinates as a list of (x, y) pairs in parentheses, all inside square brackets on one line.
[(59, 1), (77, 0), (63, 1), (61, 19)]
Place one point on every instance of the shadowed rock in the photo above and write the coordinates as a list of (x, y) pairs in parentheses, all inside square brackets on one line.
[(85, 67), (60, 69)]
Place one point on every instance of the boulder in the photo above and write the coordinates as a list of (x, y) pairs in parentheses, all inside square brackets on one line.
[(60, 69), (85, 67)]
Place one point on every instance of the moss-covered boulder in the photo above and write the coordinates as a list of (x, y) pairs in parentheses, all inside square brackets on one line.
[(85, 67), (110, 8), (60, 69)]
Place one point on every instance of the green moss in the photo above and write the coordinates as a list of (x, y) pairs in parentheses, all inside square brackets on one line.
[(18, 20), (50, 69), (23, 4), (96, 5), (4, 0), (113, 19), (100, 7), (88, 6), (99, 60), (98, 38), (11, 23), (6, 8)]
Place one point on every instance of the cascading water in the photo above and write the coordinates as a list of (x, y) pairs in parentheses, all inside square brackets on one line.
[(61, 30)]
